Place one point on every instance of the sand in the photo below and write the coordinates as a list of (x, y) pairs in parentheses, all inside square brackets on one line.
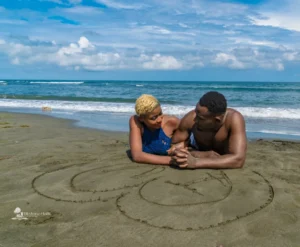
[(77, 187)]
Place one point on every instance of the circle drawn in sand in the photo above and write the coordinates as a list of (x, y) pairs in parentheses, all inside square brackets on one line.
[(94, 184), (107, 179), (192, 192), (197, 214)]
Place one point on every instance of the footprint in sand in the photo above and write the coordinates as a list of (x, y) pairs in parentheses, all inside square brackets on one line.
[(5, 157)]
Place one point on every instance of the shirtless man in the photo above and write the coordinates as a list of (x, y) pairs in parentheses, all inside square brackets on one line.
[(215, 133)]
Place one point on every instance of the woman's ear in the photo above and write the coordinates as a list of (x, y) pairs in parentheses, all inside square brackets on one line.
[(141, 118)]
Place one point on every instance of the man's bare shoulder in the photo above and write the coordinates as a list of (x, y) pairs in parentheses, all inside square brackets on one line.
[(234, 117), (187, 121)]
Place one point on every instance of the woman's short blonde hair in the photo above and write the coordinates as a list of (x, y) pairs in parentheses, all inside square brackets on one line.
[(145, 104)]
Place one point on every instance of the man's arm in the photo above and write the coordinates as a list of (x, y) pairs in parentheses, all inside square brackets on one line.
[(135, 141), (183, 132), (181, 135), (234, 159)]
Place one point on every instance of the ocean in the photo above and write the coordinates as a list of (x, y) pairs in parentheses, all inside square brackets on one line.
[(271, 109)]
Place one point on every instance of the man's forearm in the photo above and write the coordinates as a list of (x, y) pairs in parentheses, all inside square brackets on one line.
[(204, 154), (222, 161)]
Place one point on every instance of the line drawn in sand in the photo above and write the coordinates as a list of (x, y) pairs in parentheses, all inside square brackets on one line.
[(142, 191)]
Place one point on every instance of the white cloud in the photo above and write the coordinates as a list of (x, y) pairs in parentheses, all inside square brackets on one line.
[(244, 58), (13, 22), (280, 66), (73, 48), (183, 25), (119, 5), (286, 15), (291, 56), (224, 23), (158, 62), (15, 61), (18, 49), (278, 20), (61, 1), (192, 61), (240, 40), (276, 64), (217, 9), (83, 10), (230, 32), (155, 30), (53, 1), (228, 59), (100, 61), (84, 43), (75, 1), (13, 49), (85, 55)]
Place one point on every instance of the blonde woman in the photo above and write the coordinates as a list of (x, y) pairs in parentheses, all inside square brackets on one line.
[(151, 132)]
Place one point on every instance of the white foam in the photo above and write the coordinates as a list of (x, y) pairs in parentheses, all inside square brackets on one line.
[(139, 85), (179, 110), (270, 112), (280, 132), (56, 82)]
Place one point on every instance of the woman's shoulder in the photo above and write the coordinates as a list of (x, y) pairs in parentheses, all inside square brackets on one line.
[(172, 121), (135, 122)]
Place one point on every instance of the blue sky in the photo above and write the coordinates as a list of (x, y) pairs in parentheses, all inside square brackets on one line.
[(150, 39)]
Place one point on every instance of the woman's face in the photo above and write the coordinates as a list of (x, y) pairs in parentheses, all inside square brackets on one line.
[(154, 119)]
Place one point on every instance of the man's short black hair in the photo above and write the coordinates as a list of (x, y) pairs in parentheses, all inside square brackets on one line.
[(214, 101)]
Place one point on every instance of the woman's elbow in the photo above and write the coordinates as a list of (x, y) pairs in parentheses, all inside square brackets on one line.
[(136, 157)]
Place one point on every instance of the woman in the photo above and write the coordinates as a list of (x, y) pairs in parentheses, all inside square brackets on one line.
[(151, 132)]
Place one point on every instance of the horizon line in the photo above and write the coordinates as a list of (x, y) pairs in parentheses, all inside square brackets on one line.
[(145, 80)]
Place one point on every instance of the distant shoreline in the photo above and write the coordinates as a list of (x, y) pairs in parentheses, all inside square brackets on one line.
[(134, 80), (75, 124)]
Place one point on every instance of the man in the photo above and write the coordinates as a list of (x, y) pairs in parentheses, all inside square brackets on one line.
[(216, 134)]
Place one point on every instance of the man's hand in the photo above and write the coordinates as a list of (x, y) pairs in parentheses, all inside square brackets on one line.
[(179, 145), (183, 158)]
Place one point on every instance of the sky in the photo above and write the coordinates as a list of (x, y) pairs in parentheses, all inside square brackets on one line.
[(225, 40)]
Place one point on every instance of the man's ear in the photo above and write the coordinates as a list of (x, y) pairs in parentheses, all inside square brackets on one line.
[(219, 118)]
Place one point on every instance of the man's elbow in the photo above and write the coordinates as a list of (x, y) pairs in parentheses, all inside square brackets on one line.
[(239, 162)]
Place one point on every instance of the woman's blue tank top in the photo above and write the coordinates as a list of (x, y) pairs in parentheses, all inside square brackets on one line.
[(155, 142)]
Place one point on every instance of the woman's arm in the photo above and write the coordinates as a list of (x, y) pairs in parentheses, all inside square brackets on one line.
[(173, 124), (135, 141)]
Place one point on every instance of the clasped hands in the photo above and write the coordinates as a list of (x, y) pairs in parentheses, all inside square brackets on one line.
[(181, 157)]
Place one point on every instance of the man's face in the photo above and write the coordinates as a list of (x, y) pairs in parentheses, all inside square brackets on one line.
[(153, 120), (205, 120)]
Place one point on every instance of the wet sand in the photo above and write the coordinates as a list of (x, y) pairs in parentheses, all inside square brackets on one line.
[(77, 187)]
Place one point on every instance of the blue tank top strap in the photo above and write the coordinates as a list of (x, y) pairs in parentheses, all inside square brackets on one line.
[(155, 142)]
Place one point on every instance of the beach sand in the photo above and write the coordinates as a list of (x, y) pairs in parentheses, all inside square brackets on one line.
[(84, 191)]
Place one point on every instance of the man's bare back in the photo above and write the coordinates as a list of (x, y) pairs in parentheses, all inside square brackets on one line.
[(218, 138)]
